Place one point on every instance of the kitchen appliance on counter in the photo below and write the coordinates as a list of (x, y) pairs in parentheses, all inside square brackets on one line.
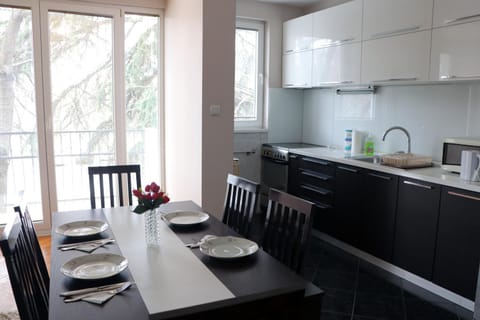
[(452, 151), (274, 169)]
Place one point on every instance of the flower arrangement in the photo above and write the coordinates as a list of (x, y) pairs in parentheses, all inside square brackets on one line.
[(150, 198)]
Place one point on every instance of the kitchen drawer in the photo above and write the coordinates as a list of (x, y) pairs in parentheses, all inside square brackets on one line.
[(323, 221), (316, 178), (317, 165), (316, 194)]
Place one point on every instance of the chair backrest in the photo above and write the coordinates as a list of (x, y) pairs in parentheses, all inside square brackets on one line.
[(110, 171), (287, 228), (240, 204), (26, 267)]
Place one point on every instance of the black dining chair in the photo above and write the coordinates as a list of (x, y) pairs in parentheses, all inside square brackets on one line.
[(26, 267), (110, 172), (240, 204), (286, 233)]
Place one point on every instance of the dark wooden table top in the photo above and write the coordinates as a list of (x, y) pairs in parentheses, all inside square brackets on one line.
[(256, 282)]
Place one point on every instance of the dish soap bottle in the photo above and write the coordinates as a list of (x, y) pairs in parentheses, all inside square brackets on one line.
[(369, 146)]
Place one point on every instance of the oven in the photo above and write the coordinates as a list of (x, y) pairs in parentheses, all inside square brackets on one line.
[(274, 168)]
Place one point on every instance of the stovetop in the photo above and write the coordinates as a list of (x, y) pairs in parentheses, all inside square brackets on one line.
[(279, 151)]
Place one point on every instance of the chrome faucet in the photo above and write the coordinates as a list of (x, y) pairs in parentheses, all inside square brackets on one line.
[(401, 129)]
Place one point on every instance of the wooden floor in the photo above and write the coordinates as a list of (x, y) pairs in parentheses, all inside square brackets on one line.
[(7, 301)]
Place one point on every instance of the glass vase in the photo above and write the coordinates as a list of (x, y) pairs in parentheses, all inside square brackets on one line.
[(152, 227)]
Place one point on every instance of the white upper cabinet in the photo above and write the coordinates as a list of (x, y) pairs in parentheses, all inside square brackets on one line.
[(400, 58), (448, 12), (337, 65), (456, 52), (383, 18), (297, 34), (297, 70), (338, 25)]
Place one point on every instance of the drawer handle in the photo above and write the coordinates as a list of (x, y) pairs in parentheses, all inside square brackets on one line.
[(424, 186), (316, 175), (380, 176), (458, 77), (461, 19), (293, 156), (320, 162), (316, 190), (387, 33), (347, 169), (463, 195)]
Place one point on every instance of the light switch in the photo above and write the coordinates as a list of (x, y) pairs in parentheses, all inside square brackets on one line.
[(214, 110)]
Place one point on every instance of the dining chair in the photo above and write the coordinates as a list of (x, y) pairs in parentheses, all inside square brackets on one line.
[(286, 233), (26, 267), (110, 171), (240, 204)]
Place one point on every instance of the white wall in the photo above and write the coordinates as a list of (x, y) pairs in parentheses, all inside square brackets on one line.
[(429, 112), (199, 72), (218, 89), (183, 99), (324, 4)]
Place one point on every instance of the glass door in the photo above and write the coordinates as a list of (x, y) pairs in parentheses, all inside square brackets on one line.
[(19, 139), (82, 101)]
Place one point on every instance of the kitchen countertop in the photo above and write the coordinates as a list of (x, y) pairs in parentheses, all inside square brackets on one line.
[(434, 174)]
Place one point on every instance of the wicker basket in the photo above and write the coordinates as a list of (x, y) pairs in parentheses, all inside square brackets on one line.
[(406, 160)]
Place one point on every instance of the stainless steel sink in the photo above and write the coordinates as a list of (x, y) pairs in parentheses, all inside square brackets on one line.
[(374, 159)]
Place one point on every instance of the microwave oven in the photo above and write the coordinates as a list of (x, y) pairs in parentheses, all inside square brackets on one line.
[(452, 151)]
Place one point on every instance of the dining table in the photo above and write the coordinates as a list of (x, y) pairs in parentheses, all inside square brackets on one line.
[(172, 280)]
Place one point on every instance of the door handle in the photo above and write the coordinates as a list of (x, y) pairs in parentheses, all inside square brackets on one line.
[(424, 186), (387, 33), (461, 195), (461, 19), (380, 176), (347, 169)]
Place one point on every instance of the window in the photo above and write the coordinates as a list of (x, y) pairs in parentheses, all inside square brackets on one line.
[(249, 71)]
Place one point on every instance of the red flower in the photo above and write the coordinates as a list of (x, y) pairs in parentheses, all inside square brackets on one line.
[(147, 188), (149, 199)]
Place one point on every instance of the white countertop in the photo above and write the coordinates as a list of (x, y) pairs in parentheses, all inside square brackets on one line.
[(433, 174)]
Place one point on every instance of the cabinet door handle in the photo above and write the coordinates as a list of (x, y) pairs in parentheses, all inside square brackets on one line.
[(387, 33), (397, 79), (424, 186), (316, 190), (458, 77), (320, 162), (315, 175), (344, 40), (461, 19), (293, 156), (463, 195), (289, 85), (380, 176), (337, 82), (347, 169), (289, 51)]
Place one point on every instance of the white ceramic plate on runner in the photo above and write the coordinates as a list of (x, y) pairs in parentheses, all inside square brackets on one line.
[(94, 266), (228, 247), (82, 228), (185, 218)]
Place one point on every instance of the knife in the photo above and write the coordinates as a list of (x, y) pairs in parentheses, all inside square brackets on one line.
[(114, 291), (94, 289)]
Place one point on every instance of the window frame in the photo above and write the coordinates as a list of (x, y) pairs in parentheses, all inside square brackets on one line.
[(259, 123)]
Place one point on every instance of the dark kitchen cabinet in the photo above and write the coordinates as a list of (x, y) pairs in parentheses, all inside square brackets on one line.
[(348, 203), (458, 242), (293, 166), (378, 214), (416, 226), (314, 181)]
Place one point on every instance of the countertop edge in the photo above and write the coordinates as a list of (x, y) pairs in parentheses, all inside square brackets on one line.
[(433, 174)]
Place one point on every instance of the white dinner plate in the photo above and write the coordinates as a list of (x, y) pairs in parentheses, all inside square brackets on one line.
[(82, 228), (94, 266), (185, 218), (228, 247)]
